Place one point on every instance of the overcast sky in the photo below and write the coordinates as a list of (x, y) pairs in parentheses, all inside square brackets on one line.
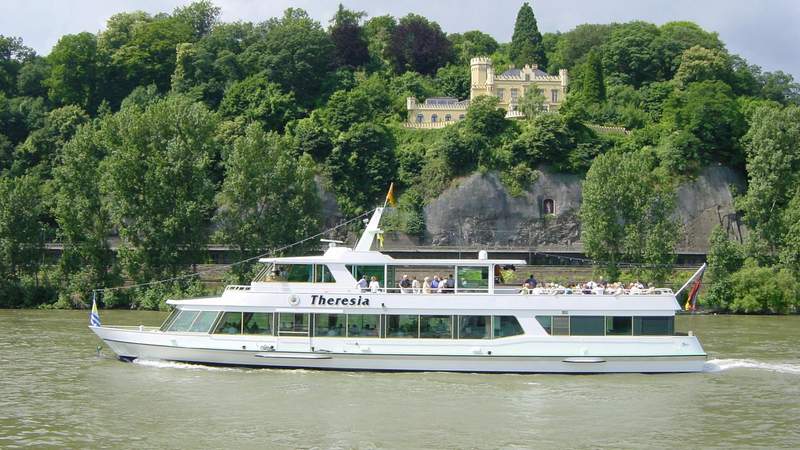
[(765, 32)]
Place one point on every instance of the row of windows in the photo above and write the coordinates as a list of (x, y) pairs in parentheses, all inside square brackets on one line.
[(408, 326), (435, 118), (500, 93), (607, 325)]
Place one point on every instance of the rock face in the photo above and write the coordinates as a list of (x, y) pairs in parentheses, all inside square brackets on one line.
[(479, 211), (706, 202)]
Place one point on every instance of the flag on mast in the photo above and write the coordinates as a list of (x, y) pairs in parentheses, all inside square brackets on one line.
[(697, 279), (94, 317), (390, 196)]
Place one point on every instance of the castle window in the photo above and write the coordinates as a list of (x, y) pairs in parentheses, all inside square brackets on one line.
[(549, 206), (500, 93), (434, 118), (447, 118), (554, 95), (420, 118), (460, 117), (527, 77), (514, 94)]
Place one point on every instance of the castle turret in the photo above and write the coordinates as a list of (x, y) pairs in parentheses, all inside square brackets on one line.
[(482, 74), (564, 75)]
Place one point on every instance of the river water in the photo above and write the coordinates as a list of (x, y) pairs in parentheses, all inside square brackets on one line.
[(57, 391)]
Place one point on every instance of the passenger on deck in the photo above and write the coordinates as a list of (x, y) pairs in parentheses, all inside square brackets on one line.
[(450, 284), (531, 281), (405, 285), (426, 285), (374, 285), (435, 284), (415, 286), (362, 283), (526, 288)]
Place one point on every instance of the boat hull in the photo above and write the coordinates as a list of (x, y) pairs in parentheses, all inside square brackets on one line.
[(131, 345)]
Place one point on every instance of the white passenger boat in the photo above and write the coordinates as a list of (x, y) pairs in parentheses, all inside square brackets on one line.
[(311, 312)]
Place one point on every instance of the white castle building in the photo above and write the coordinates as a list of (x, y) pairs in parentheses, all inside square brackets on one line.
[(509, 87)]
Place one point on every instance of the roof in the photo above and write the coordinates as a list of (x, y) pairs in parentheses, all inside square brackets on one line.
[(518, 73), (345, 255)]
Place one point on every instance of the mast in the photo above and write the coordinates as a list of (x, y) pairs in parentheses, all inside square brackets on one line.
[(365, 242)]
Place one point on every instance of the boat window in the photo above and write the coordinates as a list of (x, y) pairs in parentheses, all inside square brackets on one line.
[(231, 323), (654, 326), (204, 321), (505, 326), (257, 323), (619, 326), (473, 279), (322, 274), (368, 272), (402, 326), (332, 325), (441, 279), (587, 326), (171, 317), (183, 321), (546, 322), (292, 324), (436, 327), (474, 327), (363, 325), (560, 326), (299, 273)]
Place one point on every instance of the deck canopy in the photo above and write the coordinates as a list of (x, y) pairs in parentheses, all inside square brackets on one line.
[(344, 255)]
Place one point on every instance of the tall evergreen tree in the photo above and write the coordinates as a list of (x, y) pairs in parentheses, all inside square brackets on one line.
[(526, 43), (593, 84)]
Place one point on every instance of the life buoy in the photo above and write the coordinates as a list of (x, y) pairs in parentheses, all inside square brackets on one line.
[(294, 300)]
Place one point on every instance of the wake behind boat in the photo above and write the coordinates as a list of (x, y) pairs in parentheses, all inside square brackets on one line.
[(358, 309)]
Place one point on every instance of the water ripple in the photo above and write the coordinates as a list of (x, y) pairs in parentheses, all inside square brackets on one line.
[(719, 365)]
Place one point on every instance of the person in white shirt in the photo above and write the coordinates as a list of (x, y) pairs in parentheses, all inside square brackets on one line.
[(415, 286), (374, 285)]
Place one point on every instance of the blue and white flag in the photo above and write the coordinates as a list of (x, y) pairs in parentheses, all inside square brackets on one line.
[(94, 317)]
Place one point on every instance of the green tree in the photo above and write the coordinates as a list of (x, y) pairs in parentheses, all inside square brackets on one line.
[(257, 99), (43, 145), (574, 45), (20, 231), (485, 118), (780, 86), (83, 220), (419, 45), (454, 81), (526, 42), (361, 166), (701, 64), (269, 196), (293, 51), (201, 16), (73, 75), (773, 165), (532, 103), (724, 258), (632, 53), (348, 38), (677, 37), (764, 290), (470, 44), (626, 213), (593, 87), (13, 57), (709, 111), (31, 77), (378, 31), (157, 184), (790, 241)]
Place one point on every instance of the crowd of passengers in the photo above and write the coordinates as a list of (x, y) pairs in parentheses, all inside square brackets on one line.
[(411, 285), (532, 286), (441, 285)]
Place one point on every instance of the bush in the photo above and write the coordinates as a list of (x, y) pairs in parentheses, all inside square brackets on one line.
[(764, 290)]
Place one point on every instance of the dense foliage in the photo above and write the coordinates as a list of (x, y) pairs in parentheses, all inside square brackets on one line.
[(134, 148)]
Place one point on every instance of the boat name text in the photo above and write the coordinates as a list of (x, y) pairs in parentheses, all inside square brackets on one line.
[(343, 301)]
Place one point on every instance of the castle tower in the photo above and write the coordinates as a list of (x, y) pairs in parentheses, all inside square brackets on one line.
[(482, 75)]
